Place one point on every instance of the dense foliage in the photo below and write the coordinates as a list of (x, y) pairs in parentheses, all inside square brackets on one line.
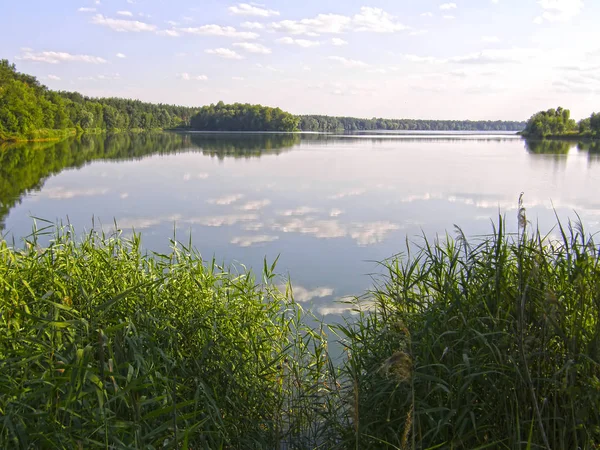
[(481, 344), (329, 124), (243, 117), (29, 110), (102, 346), (558, 123), (466, 344)]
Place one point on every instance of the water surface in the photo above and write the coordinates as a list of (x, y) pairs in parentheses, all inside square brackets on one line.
[(330, 205)]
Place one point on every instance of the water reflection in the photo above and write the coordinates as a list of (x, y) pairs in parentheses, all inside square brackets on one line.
[(24, 167), (327, 204), (548, 147)]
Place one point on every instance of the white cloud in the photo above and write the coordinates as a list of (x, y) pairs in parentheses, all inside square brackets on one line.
[(244, 9), (490, 39), (253, 25), (253, 47), (427, 14), (122, 25), (249, 241), (559, 10), (218, 30), (305, 43), (368, 19), (255, 205), (227, 200), (84, 9), (449, 17), (170, 33), (238, 78), (268, 68), (418, 32), (125, 13), (187, 77), (350, 63), (338, 42), (224, 53), (448, 6), (493, 56), (53, 77), (115, 76), (121, 55), (376, 20), (335, 212), (58, 57)]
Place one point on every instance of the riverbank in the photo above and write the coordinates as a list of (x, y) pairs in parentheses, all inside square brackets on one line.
[(46, 135), (465, 344), (42, 135), (563, 137)]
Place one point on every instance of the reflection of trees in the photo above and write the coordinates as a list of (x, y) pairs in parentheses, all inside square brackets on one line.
[(26, 166), (592, 148), (548, 147), (242, 145)]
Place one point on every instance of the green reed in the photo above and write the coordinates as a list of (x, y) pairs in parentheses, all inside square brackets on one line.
[(103, 346), (492, 343), (465, 344)]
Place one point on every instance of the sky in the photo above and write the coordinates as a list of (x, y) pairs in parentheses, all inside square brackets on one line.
[(428, 59)]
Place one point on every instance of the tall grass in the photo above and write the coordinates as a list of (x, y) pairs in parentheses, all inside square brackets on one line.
[(102, 346), (467, 344), (486, 344)]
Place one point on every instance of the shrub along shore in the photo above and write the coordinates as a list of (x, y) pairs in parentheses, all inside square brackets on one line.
[(488, 343)]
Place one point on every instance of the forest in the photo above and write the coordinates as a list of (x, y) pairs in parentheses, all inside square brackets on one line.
[(558, 123), (31, 111), (330, 124), (243, 117)]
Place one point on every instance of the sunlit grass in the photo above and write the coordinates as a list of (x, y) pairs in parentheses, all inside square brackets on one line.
[(102, 346), (493, 343)]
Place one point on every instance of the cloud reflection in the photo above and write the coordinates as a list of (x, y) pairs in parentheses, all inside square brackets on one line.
[(255, 205), (303, 295), (348, 193), (249, 241), (363, 233), (227, 200), (225, 220), (62, 193), (301, 211)]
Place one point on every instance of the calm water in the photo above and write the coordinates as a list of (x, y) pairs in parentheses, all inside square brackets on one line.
[(330, 205)]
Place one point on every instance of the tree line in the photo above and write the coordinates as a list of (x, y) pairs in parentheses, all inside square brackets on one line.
[(558, 123), (332, 124), (29, 110)]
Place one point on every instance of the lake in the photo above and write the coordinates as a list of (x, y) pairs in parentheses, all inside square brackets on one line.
[(329, 205)]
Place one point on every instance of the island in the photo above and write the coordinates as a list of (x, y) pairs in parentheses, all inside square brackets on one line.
[(557, 124)]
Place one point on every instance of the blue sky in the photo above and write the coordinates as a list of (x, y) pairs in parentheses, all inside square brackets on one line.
[(477, 59)]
